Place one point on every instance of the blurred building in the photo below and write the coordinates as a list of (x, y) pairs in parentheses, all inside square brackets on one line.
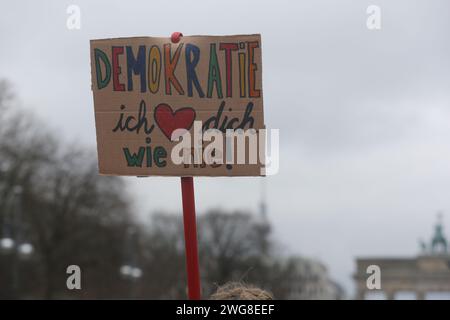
[(312, 282), (427, 273)]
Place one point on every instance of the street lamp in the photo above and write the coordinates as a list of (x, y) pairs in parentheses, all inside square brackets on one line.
[(125, 270), (136, 273), (132, 275), (12, 241), (25, 249), (130, 272), (6, 244)]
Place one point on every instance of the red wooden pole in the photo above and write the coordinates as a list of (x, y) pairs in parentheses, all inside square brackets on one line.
[(190, 238), (190, 225)]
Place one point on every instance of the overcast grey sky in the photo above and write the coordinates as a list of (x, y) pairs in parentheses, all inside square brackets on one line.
[(363, 115)]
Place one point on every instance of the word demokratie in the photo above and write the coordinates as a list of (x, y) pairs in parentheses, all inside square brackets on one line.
[(156, 68)]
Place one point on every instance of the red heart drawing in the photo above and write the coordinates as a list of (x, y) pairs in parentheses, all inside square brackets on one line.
[(168, 121)]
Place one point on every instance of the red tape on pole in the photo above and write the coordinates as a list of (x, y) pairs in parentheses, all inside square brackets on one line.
[(190, 237)]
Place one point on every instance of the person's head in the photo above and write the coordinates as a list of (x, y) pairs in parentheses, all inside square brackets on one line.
[(240, 291)]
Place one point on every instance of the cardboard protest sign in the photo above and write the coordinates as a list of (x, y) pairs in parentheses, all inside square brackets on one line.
[(145, 88)]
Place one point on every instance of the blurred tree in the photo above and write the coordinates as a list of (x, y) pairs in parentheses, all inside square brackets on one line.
[(234, 246), (52, 197), (82, 219), (164, 259), (67, 211)]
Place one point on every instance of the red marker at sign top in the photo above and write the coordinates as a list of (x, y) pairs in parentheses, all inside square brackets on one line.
[(176, 36)]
